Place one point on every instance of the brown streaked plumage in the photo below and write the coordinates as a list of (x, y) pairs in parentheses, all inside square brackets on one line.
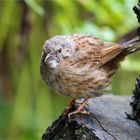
[(81, 65)]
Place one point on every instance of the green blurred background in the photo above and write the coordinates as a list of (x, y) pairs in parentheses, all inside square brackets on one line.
[(27, 107)]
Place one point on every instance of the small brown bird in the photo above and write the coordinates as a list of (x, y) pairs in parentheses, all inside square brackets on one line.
[(82, 65)]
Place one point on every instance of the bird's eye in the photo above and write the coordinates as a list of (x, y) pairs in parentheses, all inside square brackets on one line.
[(59, 50)]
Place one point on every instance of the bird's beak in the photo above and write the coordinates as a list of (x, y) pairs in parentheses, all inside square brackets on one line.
[(46, 58), (50, 61)]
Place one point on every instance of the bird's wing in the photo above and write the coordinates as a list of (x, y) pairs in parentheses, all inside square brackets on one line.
[(109, 52), (96, 52)]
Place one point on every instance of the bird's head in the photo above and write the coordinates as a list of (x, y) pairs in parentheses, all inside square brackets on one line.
[(57, 49)]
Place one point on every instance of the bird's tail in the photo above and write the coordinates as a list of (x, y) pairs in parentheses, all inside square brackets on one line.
[(132, 45)]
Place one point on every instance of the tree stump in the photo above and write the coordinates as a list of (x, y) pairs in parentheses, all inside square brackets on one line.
[(107, 121)]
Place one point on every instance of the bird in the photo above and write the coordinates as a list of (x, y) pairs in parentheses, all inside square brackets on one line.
[(82, 65)]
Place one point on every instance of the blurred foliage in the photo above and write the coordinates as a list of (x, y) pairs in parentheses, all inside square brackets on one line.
[(27, 106)]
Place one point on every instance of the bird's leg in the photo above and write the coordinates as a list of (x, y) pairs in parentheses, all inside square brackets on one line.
[(80, 108), (83, 104), (68, 108), (71, 103)]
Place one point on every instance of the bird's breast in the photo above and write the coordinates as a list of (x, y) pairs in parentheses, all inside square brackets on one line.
[(69, 83)]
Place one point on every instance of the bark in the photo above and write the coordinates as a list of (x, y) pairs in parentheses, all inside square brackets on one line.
[(107, 121)]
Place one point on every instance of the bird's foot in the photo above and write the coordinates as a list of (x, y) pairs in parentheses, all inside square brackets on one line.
[(83, 111), (75, 108)]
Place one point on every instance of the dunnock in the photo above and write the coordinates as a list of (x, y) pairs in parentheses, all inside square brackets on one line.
[(82, 65)]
